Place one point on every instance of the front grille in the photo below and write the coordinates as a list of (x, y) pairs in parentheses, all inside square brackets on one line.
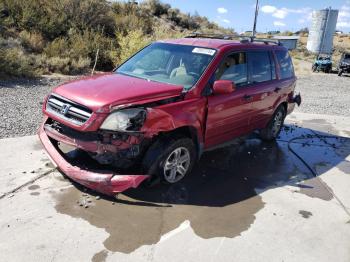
[(72, 133), (68, 110)]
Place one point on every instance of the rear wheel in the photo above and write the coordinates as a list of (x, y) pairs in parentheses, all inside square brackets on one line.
[(170, 159), (272, 130)]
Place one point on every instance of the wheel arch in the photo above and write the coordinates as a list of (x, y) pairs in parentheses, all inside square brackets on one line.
[(186, 131)]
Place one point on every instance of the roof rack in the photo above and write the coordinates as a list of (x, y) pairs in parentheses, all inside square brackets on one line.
[(211, 36), (243, 39)]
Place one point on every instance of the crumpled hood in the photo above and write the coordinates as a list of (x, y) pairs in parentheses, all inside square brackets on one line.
[(100, 92)]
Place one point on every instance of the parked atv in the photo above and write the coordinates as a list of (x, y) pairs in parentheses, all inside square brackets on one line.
[(344, 64), (322, 63)]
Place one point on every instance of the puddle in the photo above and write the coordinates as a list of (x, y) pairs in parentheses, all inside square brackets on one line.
[(315, 188), (33, 187), (218, 199), (100, 256), (305, 214)]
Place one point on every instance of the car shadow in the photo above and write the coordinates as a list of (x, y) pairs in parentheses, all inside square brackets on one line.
[(222, 195)]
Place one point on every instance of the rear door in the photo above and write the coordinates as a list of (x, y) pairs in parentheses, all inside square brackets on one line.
[(287, 79), (264, 86)]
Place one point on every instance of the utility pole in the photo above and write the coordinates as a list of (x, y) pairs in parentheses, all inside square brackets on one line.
[(255, 18)]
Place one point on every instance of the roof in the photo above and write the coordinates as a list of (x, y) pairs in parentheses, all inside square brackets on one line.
[(203, 42), (210, 42), (283, 37)]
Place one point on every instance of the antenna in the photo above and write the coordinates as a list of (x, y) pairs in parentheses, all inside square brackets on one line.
[(255, 18)]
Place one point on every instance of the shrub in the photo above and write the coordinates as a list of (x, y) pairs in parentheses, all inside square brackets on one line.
[(130, 44), (14, 62), (57, 47), (33, 41), (58, 64), (80, 65), (83, 46)]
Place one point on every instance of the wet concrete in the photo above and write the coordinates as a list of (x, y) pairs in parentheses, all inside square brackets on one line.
[(305, 214), (33, 187), (218, 199), (314, 187), (100, 256)]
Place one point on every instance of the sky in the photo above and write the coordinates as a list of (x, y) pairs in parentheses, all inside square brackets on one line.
[(273, 14)]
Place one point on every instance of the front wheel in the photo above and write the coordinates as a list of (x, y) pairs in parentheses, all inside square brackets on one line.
[(314, 68), (170, 159), (273, 128)]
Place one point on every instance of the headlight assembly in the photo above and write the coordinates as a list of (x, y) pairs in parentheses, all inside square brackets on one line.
[(130, 119)]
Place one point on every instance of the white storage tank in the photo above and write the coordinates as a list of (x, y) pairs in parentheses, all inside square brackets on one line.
[(322, 30)]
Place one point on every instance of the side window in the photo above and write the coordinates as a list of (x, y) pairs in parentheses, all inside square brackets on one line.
[(234, 68), (260, 66), (285, 62), (273, 66)]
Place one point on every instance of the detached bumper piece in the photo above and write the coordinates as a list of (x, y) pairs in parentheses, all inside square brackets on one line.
[(103, 181)]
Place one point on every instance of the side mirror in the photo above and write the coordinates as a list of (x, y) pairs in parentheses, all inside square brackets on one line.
[(223, 87)]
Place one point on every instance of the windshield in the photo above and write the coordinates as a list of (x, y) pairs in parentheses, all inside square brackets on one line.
[(169, 63)]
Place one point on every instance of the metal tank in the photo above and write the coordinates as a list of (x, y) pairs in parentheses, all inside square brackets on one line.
[(322, 29)]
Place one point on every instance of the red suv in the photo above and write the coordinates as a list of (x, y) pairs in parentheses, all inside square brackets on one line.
[(156, 114)]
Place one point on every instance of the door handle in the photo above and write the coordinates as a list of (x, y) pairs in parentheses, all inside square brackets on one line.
[(247, 97), (277, 89)]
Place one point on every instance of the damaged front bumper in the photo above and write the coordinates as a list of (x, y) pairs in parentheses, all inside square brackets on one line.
[(103, 181)]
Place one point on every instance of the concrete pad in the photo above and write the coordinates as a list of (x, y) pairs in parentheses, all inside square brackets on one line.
[(257, 202), (22, 159)]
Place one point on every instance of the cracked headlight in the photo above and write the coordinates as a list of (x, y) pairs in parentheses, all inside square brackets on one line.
[(130, 119)]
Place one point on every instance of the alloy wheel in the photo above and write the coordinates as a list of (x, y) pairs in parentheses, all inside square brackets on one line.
[(177, 164), (277, 123)]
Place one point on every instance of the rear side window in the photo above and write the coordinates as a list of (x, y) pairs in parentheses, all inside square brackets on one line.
[(260, 66), (273, 66), (285, 62)]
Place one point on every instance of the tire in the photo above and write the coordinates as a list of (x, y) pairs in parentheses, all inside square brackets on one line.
[(314, 68), (273, 128), (340, 72), (170, 159)]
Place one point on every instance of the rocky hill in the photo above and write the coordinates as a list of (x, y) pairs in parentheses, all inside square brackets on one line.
[(45, 36)]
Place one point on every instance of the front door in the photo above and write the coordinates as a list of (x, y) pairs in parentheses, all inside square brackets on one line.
[(228, 114)]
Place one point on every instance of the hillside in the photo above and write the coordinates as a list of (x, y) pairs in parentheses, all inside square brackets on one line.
[(62, 36)]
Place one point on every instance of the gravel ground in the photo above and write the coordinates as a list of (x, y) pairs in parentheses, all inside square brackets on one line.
[(324, 94), (20, 105), (20, 100)]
